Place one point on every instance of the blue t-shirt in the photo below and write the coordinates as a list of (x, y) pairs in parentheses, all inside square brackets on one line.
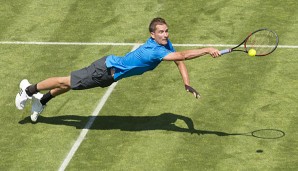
[(144, 58)]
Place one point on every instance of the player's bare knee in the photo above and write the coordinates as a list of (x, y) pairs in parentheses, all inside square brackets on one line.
[(64, 82)]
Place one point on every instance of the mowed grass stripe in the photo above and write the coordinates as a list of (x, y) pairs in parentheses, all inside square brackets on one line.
[(128, 44), (257, 91), (89, 124), (36, 19)]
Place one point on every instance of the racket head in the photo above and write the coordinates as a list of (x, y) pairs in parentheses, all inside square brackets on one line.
[(264, 41)]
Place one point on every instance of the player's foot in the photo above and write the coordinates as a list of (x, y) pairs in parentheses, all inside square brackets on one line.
[(37, 107), (22, 97)]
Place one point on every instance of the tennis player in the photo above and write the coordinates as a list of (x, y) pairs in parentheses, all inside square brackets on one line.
[(109, 69)]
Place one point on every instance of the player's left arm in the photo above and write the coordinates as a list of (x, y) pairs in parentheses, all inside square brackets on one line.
[(183, 71)]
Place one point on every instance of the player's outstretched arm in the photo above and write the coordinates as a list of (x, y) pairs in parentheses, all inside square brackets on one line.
[(191, 54)]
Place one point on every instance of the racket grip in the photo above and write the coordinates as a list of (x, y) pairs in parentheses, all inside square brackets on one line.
[(222, 52)]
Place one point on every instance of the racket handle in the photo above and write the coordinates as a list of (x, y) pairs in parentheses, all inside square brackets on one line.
[(222, 52)]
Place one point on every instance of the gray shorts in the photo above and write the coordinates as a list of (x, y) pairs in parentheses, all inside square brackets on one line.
[(95, 75)]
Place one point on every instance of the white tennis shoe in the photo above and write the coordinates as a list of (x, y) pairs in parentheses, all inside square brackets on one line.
[(22, 97), (37, 107)]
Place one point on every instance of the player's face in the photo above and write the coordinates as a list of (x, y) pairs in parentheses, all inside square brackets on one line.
[(161, 34)]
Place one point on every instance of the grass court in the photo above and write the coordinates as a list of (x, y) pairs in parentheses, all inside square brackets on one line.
[(144, 124)]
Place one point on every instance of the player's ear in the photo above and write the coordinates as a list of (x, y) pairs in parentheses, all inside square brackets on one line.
[(152, 35)]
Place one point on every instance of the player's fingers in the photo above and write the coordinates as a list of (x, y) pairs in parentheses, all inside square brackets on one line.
[(215, 54), (197, 95), (193, 91), (212, 54)]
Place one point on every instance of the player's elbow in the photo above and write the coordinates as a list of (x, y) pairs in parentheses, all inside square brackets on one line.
[(182, 56)]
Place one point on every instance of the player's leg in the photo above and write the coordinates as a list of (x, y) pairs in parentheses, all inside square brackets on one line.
[(95, 75), (61, 84), (56, 85)]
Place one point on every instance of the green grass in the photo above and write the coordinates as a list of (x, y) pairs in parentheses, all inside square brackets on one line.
[(145, 123)]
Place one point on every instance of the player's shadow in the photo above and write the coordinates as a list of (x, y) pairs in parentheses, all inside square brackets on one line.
[(165, 121)]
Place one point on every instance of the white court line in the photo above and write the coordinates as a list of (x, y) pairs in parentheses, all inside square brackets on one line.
[(125, 44), (89, 124), (70, 43)]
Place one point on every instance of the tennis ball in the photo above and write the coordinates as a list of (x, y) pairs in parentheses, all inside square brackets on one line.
[(252, 52)]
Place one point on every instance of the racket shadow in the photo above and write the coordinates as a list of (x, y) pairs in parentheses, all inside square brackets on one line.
[(164, 121), (267, 133)]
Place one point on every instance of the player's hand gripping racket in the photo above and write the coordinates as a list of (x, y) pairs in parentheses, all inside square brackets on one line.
[(263, 41)]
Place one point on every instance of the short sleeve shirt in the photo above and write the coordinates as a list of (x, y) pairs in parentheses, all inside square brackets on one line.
[(145, 58)]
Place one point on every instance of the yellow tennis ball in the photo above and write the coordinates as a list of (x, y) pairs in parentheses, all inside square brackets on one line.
[(252, 52)]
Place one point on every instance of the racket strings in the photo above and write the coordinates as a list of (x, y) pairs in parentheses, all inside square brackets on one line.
[(264, 42)]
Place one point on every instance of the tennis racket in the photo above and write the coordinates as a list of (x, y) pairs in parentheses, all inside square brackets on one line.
[(264, 41)]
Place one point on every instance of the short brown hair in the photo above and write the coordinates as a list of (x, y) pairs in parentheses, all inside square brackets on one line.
[(156, 21)]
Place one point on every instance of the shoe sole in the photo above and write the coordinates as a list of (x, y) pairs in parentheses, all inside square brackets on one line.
[(18, 96)]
